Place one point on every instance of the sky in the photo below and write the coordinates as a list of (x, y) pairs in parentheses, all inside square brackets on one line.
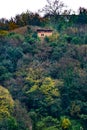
[(10, 8)]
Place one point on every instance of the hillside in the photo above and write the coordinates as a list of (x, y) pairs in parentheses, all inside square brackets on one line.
[(25, 29), (43, 83)]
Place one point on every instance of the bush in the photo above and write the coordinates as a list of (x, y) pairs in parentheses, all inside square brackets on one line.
[(76, 40), (6, 103), (65, 123), (76, 125), (48, 123), (8, 124), (3, 33)]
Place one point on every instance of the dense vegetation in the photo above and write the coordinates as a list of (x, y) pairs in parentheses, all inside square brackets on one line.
[(43, 82)]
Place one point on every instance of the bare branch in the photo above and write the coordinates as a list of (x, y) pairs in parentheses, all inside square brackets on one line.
[(53, 7)]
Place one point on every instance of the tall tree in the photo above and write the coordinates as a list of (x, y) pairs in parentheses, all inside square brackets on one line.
[(82, 17), (6, 103), (53, 7)]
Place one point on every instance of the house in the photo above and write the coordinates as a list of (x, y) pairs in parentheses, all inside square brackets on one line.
[(44, 32)]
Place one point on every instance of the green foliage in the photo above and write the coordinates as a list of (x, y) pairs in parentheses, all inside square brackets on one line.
[(22, 118), (75, 109), (47, 86), (31, 38), (15, 35), (54, 37), (6, 103), (48, 77), (77, 40), (8, 65), (3, 33), (59, 48), (9, 123), (65, 123), (15, 38), (76, 125), (48, 123), (43, 90), (4, 73)]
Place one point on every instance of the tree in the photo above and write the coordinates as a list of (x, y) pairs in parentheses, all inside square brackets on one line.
[(4, 74), (8, 124), (12, 25), (48, 123), (3, 24), (22, 117), (6, 103), (65, 123), (53, 7), (82, 17), (43, 93)]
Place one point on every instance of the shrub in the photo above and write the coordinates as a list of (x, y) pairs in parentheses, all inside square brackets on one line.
[(48, 123), (3, 33), (65, 123)]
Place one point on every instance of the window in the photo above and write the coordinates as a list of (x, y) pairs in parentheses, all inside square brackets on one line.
[(42, 35)]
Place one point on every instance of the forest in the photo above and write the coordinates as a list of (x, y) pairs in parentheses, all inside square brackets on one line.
[(43, 82)]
